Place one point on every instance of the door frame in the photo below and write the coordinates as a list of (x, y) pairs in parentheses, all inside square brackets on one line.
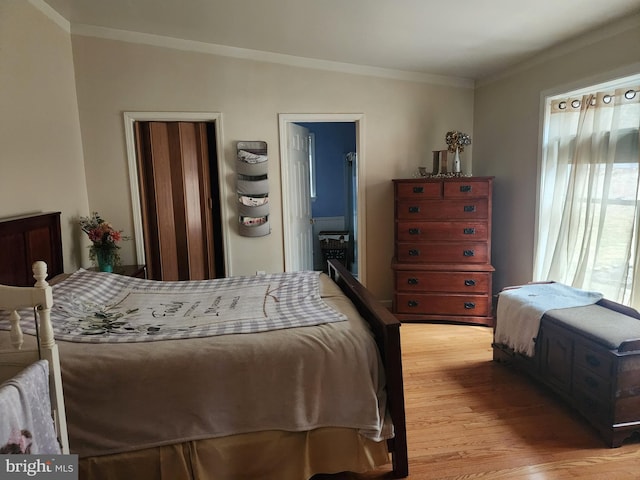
[(132, 158), (287, 195)]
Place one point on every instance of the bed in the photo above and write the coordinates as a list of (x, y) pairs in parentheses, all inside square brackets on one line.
[(170, 408)]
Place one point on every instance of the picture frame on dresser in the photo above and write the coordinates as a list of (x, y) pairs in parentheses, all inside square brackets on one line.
[(442, 250)]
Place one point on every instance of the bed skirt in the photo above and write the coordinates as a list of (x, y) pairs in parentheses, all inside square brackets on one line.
[(269, 455)]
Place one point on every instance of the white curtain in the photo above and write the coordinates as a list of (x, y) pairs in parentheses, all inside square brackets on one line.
[(589, 191)]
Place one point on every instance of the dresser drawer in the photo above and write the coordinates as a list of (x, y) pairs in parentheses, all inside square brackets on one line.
[(430, 304), (462, 209), (465, 189), (452, 282), (429, 231), (418, 190), (442, 252)]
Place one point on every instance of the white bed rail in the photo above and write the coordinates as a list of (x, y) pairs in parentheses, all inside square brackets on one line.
[(40, 298)]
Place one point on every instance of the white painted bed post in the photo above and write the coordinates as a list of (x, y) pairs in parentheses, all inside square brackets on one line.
[(57, 395), (41, 297), (50, 353)]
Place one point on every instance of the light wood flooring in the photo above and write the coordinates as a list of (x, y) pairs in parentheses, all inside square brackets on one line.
[(471, 418)]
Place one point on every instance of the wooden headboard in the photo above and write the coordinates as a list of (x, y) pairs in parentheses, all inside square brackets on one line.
[(25, 240)]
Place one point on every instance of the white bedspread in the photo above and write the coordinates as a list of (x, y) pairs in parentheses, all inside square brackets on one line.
[(26, 425), (520, 310)]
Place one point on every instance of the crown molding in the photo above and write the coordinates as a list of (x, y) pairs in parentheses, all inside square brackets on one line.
[(599, 34), (54, 16), (261, 56)]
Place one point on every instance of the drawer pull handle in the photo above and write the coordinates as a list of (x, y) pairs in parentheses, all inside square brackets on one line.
[(412, 303), (414, 252), (469, 208), (469, 253), (418, 189), (470, 283), (593, 361), (469, 305), (414, 231), (469, 231), (412, 281), (414, 209), (465, 188), (591, 382)]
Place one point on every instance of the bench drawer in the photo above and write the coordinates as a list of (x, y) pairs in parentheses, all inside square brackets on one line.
[(596, 386), (598, 362)]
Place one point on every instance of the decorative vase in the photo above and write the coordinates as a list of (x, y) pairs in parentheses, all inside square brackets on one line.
[(443, 163), (456, 162), (105, 260)]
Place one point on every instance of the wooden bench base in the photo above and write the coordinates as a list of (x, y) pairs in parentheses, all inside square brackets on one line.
[(600, 382)]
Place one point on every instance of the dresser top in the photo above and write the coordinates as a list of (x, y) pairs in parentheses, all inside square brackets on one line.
[(441, 179)]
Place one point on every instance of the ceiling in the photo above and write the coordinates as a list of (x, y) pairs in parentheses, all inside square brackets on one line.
[(471, 39)]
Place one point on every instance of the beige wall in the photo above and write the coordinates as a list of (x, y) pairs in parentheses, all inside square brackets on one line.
[(506, 126), (403, 122), (41, 163)]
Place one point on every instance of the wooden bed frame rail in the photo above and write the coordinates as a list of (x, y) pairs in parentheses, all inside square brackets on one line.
[(386, 330)]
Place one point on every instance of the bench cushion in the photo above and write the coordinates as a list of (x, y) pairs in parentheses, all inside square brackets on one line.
[(602, 325)]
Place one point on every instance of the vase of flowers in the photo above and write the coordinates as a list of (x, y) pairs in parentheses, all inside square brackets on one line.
[(104, 239), (456, 141)]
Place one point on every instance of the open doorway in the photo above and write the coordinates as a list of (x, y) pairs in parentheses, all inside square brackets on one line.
[(333, 202), (333, 187)]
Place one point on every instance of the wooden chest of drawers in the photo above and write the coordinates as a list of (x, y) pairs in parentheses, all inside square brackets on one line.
[(442, 263)]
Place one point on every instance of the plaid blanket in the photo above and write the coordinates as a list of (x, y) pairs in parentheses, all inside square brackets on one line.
[(105, 308)]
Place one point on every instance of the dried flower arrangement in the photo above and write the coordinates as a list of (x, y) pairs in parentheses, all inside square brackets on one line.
[(457, 141)]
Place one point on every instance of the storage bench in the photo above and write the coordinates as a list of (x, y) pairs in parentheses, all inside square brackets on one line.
[(590, 357)]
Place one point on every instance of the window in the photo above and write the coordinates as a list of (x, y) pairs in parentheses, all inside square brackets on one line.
[(588, 210)]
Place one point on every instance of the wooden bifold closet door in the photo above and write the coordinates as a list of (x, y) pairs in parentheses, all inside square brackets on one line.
[(176, 199)]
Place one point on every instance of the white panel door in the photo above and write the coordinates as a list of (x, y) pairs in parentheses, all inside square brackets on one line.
[(299, 205)]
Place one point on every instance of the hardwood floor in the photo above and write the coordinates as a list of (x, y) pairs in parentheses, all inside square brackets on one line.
[(471, 418)]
